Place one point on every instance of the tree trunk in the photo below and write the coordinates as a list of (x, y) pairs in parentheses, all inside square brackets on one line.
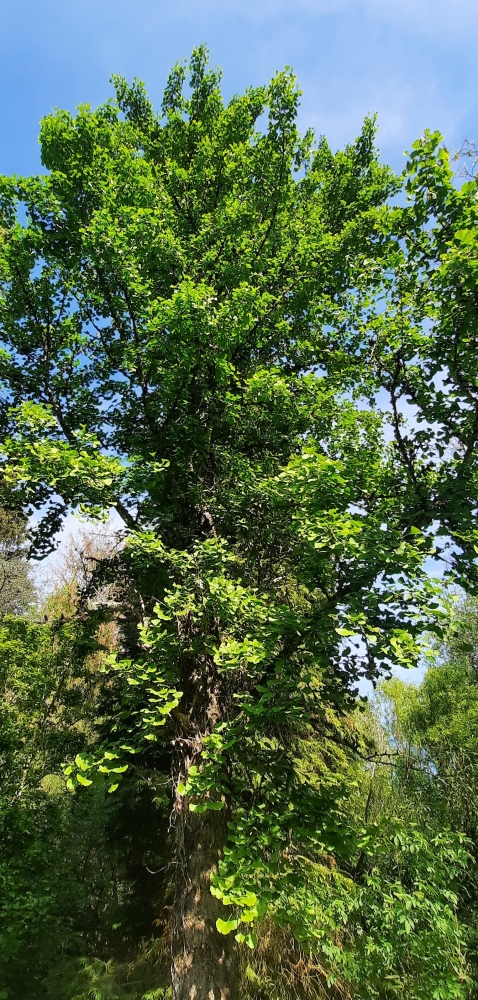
[(205, 963)]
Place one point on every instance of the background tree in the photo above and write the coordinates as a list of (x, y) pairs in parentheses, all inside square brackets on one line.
[(433, 731), (17, 591), (78, 902), (198, 318)]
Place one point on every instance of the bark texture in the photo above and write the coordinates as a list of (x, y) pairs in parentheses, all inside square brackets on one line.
[(204, 963)]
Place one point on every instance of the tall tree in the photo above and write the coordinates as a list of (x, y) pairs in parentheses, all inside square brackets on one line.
[(198, 317)]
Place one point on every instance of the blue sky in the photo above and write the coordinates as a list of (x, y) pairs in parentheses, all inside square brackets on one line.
[(412, 61)]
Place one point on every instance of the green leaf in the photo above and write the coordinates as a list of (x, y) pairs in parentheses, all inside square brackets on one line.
[(251, 940), (81, 762), (83, 781), (226, 926)]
